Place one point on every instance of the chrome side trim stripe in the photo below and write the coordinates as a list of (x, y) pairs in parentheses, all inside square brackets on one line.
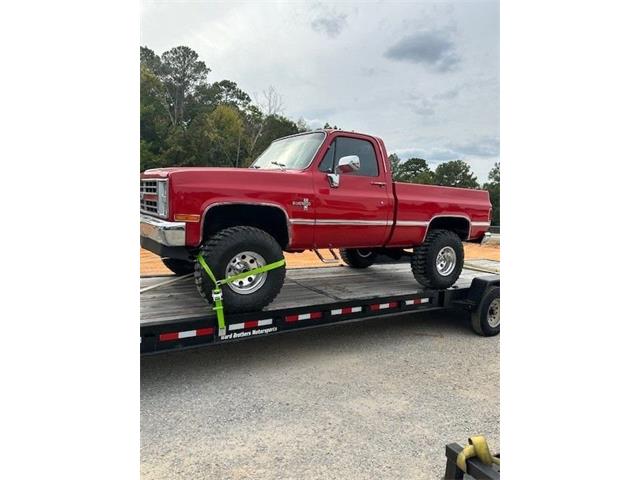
[(399, 223), (382, 223), (305, 221), (302, 221), (409, 223)]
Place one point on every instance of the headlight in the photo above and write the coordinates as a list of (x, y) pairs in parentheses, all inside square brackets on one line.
[(162, 198)]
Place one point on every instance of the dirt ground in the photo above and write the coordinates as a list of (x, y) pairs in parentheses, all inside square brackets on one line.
[(151, 264)]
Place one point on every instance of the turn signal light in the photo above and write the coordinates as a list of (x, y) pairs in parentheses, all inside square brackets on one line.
[(186, 217)]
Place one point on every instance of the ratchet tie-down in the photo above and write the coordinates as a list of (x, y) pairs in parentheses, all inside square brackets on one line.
[(217, 291)]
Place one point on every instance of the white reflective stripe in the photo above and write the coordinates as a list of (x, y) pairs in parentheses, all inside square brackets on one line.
[(416, 301), (266, 321), (384, 305), (480, 224), (303, 221), (236, 326), (304, 316), (187, 334), (346, 310)]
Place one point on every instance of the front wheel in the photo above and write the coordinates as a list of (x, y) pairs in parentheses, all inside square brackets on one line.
[(437, 263), (237, 250), (358, 257)]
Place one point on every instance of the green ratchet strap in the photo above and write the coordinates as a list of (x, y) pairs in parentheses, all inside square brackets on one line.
[(217, 292)]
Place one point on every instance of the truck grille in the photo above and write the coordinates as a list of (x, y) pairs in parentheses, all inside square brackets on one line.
[(149, 186), (149, 196)]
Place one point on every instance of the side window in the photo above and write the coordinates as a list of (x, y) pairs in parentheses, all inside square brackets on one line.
[(326, 165), (363, 149)]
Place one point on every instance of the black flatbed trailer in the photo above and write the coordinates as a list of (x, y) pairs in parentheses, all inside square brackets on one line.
[(173, 316)]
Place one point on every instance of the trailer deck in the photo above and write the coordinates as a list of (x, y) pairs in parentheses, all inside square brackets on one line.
[(174, 316)]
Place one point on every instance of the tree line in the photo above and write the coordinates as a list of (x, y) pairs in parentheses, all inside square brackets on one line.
[(187, 121)]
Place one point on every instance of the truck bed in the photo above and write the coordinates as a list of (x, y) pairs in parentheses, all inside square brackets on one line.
[(305, 286)]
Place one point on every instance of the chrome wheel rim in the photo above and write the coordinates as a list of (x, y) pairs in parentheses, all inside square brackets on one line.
[(364, 253), (493, 315), (446, 261), (243, 262)]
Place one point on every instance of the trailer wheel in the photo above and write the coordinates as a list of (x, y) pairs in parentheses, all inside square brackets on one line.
[(357, 257), (235, 250), (485, 319), (177, 266), (437, 263)]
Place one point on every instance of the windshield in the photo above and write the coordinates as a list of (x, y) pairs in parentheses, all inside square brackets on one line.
[(294, 153)]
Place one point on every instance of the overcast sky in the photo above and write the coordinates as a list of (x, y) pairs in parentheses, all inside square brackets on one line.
[(423, 76)]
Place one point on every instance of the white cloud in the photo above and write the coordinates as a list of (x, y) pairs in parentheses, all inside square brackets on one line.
[(337, 71)]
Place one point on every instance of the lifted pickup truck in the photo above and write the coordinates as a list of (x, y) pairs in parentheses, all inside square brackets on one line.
[(322, 189)]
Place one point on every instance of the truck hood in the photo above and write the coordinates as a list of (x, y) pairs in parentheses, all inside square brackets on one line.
[(197, 187), (214, 172)]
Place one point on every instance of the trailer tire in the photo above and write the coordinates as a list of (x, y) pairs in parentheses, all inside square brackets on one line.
[(177, 266), (357, 257), (437, 263), (485, 319), (243, 248)]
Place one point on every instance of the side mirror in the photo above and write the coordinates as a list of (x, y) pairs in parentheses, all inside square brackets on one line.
[(334, 180), (348, 164)]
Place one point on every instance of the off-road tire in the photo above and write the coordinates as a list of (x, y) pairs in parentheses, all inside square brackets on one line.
[(218, 251), (423, 260), (484, 317), (177, 266), (353, 257)]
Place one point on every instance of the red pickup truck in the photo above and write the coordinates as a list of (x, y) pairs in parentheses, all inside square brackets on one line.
[(321, 189)]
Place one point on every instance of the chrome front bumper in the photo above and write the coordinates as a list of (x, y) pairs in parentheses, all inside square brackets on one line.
[(171, 234)]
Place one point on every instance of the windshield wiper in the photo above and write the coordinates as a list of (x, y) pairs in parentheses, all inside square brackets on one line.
[(254, 166), (282, 166)]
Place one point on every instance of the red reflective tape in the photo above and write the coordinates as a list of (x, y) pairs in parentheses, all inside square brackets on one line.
[(303, 316), (383, 306), (251, 324), (168, 336), (204, 331)]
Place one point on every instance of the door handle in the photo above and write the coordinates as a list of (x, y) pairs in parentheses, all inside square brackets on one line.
[(379, 184)]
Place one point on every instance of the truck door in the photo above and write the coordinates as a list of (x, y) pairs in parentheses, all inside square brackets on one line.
[(357, 212)]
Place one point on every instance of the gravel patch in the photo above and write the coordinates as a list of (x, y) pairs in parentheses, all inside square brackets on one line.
[(375, 399)]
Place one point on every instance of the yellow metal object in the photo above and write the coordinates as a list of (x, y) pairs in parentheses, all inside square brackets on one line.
[(477, 447)]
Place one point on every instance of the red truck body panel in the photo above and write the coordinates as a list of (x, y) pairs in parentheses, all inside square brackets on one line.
[(364, 211)]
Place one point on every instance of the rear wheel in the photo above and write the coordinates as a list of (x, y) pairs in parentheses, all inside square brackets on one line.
[(237, 250), (358, 257), (437, 263), (179, 267), (485, 320)]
